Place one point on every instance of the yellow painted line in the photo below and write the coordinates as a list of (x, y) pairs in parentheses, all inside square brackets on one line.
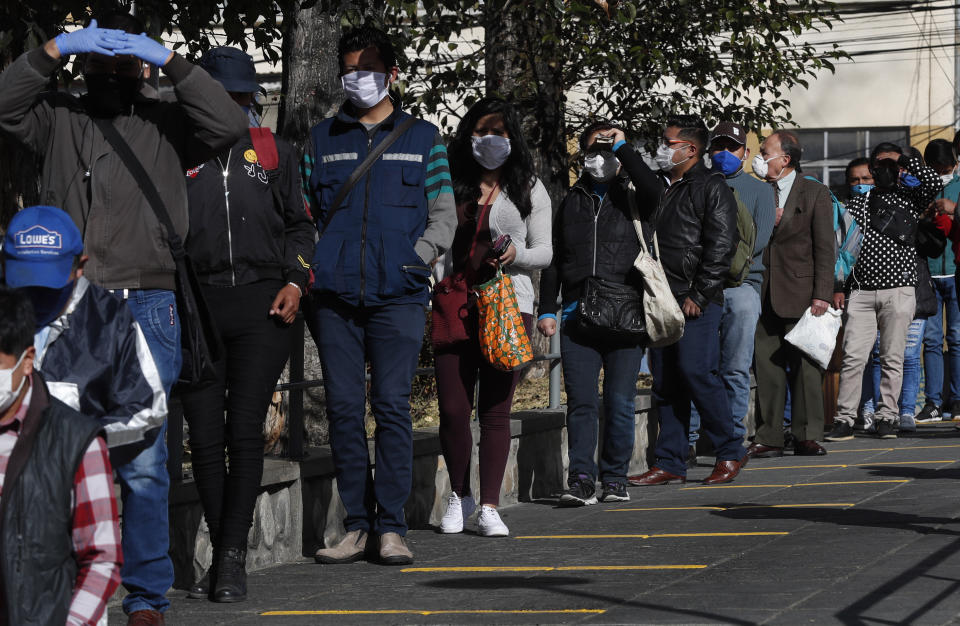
[(663, 536), (852, 482), (446, 612), (564, 568), (783, 467), (739, 506), (735, 487), (836, 450), (843, 482)]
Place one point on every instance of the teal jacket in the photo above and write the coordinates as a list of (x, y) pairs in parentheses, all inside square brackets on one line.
[(946, 263)]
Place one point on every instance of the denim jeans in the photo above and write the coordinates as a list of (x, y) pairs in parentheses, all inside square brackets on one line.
[(933, 336), (911, 373), (144, 482), (686, 371), (390, 336), (582, 360), (738, 325)]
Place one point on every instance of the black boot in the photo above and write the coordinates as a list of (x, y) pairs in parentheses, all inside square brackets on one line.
[(231, 579), (201, 588)]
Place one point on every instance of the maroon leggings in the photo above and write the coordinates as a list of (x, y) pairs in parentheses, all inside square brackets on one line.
[(457, 369)]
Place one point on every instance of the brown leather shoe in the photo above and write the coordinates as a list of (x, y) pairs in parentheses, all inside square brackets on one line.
[(808, 448), (725, 471), (654, 476), (760, 451), (145, 618)]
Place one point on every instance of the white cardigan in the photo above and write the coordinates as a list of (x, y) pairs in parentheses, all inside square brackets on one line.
[(532, 237)]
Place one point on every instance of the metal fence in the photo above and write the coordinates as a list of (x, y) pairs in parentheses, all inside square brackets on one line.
[(295, 415)]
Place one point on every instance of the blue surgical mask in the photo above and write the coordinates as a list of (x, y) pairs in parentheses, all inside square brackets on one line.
[(726, 162), (252, 118), (860, 190), (48, 303), (909, 180)]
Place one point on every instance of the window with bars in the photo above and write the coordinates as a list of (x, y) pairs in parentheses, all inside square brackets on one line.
[(827, 151)]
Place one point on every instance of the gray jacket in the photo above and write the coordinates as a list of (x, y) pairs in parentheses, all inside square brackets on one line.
[(83, 175)]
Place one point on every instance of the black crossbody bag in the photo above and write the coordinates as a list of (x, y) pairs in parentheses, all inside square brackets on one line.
[(199, 339)]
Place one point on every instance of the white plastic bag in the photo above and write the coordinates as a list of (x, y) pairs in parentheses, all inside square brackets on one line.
[(817, 336)]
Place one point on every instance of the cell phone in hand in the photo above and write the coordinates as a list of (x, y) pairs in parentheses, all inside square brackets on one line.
[(500, 246)]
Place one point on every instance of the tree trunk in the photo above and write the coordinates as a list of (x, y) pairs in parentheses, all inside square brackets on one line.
[(527, 70), (311, 86)]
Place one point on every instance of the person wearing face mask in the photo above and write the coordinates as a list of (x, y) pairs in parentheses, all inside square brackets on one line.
[(60, 554), (944, 325), (250, 242), (799, 274), (372, 267), (883, 288), (741, 304), (594, 236), (90, 350), (498, 194), (695, 218), (87, 178)]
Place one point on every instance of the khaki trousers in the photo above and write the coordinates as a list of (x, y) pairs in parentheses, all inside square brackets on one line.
[(890, 311)]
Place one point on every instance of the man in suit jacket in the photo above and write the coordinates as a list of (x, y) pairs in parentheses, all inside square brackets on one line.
[(799, 265)]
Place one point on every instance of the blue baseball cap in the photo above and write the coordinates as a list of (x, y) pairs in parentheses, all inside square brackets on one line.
[(39, 247), (231, 67)]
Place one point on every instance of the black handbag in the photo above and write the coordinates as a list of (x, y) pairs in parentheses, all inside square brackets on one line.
[(891, 221), (931, 242), (610, 310), (926, 293), (199, 340)]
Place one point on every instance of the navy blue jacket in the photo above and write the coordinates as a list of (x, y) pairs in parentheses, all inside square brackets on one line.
[(378, 246)]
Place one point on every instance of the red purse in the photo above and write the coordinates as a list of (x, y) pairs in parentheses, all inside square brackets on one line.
[(454, 317)]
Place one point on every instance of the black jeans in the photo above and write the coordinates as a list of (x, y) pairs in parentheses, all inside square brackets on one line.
[(226, 415)]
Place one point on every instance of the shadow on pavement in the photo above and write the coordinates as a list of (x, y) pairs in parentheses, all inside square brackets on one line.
[(841, 516), (563, 585)]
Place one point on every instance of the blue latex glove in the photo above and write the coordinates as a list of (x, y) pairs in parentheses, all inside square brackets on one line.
[(90, 39), (909, 180), (144, 48)]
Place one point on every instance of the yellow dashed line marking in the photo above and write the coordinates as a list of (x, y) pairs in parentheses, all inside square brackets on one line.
[(742, 506), (843, 482), (547, 568), (446, 612), (661, 536), (783, 467), (836, 450)]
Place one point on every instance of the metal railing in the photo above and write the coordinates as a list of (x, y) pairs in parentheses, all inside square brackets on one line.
[(296, 387)]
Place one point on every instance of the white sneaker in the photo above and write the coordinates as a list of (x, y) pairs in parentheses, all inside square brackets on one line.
[(869, 423), (489, 523), (458, 509)]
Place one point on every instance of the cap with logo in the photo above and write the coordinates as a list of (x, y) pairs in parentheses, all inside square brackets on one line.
[(39, 248), (731, 130), (232, 67)]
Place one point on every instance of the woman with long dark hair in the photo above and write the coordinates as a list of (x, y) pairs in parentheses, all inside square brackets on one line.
[(498, 195)]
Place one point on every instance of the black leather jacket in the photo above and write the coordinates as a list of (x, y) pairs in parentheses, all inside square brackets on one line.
[(696, 225)]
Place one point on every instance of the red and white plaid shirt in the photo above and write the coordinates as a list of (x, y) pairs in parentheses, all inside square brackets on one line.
[(96, 534)]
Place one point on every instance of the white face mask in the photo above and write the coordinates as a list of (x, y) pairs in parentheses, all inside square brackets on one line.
[(664, 158), (761, 167), (490, 151), (8, 394), (946, 178), (365, 89), (601, 167)]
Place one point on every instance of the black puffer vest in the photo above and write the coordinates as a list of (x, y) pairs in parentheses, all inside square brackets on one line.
[(36, 520)]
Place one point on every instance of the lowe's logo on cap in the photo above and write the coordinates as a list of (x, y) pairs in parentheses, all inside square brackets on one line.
[(39, 248), (38, 239)]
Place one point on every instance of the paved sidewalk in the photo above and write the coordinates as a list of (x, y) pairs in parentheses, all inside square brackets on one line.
[(868, 534)]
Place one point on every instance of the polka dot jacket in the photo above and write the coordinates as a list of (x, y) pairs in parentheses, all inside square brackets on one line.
[(883, 263)]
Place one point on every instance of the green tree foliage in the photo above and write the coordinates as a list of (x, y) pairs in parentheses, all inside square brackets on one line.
[(633, 61)]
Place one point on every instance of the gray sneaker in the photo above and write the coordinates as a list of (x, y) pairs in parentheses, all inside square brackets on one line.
[(907, 424), (351, 548), (394, 550)]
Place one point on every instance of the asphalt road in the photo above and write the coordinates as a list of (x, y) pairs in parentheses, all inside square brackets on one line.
[(868, 534)]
